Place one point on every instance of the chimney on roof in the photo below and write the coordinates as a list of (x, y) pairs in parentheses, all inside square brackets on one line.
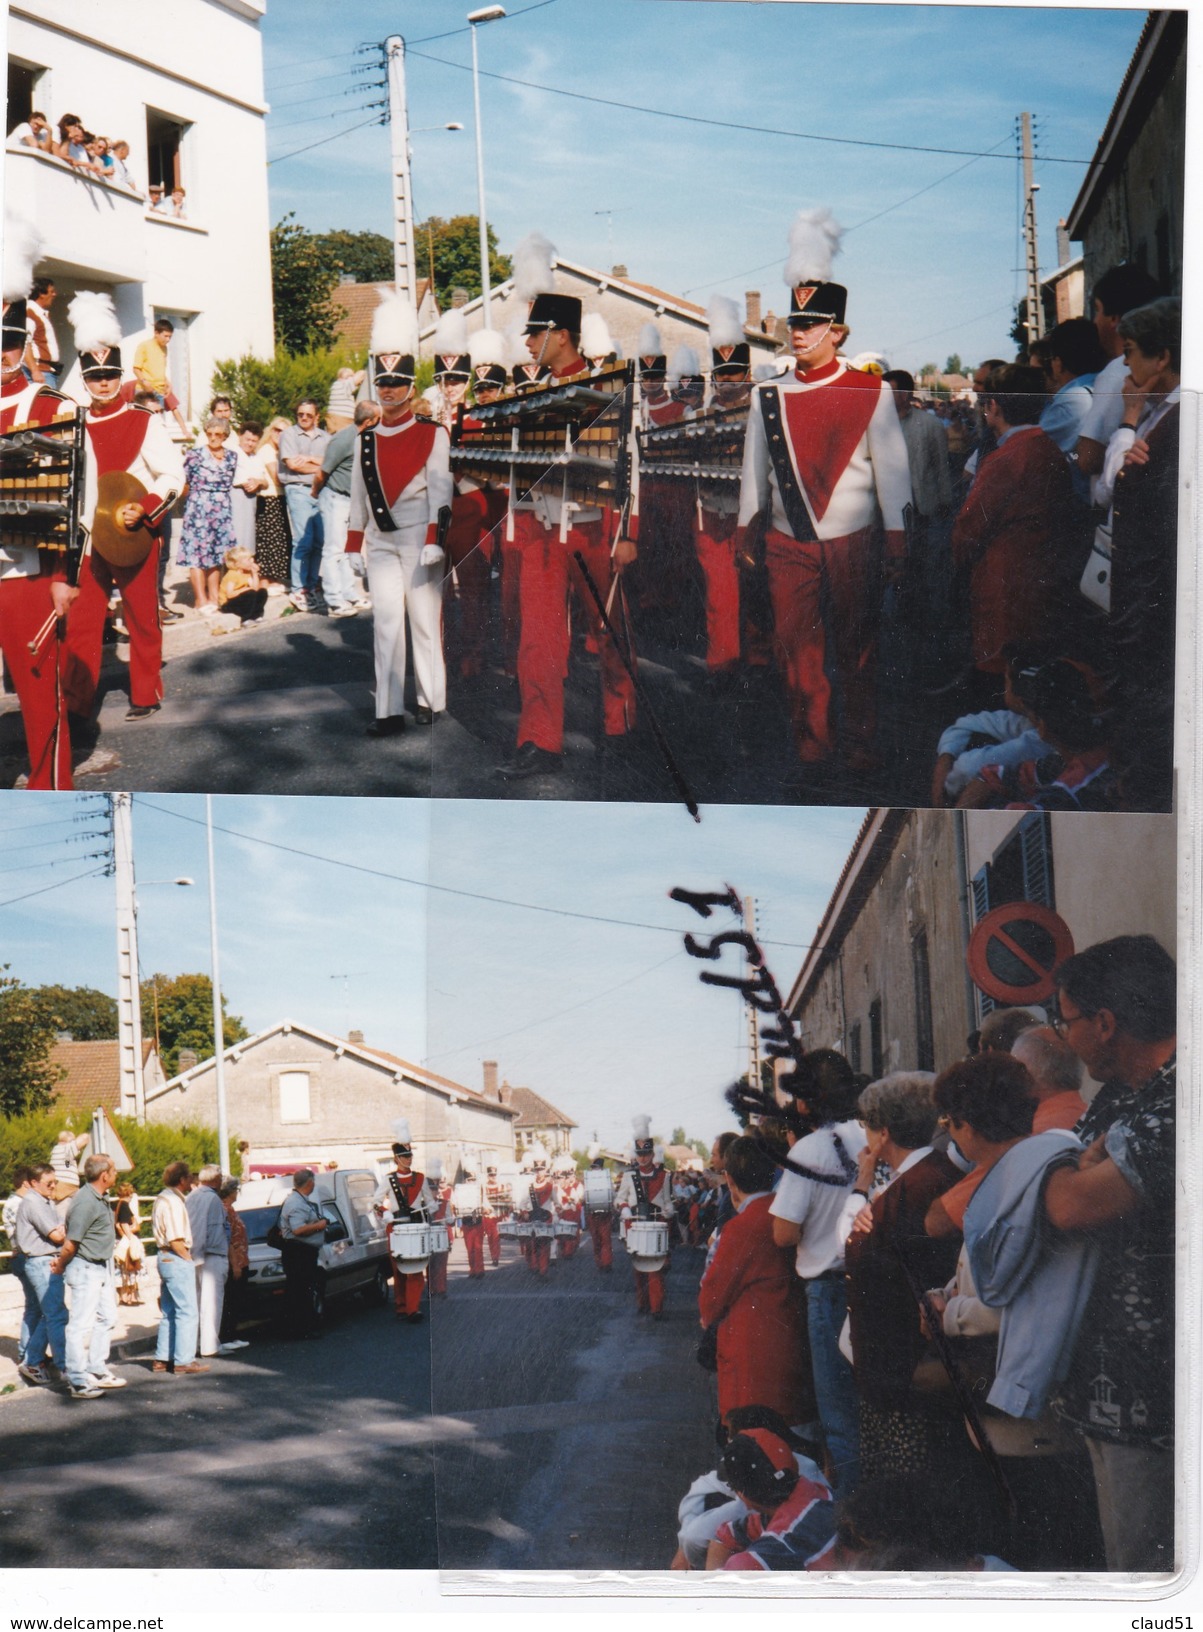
[(355, 1038), (1062, 243), (752, 304), (489, 1069), (619, 271), (63, 1037), (187, 1060), (506, 1094)]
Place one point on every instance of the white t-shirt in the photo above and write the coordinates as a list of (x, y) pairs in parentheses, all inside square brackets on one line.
[(815, 1204)]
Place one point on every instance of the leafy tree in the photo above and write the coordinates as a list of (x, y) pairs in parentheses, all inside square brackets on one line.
[(303, 276), (678, 1137), (927, 371), (90, 1016), (365, 256), (260, 388), (27, 1078), (448, 252), (178, 1009), (954, 364)]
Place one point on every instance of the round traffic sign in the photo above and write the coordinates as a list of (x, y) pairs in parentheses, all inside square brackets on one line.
[(1014, 950)]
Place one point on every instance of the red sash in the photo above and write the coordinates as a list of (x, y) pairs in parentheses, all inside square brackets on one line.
[(825, 426), (117, 438), (402, 456)]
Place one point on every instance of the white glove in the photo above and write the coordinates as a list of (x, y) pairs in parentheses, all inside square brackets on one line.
[(431, 556)]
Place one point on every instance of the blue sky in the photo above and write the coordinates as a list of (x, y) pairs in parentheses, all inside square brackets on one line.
[(605, 1020), (698, 209)]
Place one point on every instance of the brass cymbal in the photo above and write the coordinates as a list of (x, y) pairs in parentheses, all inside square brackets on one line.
[(112, 541)]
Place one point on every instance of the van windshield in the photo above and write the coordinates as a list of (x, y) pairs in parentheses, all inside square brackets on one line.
[(258, 1220)]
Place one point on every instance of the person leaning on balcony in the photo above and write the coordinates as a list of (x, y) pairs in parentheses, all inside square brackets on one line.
[(32, 132), (120, 172), (70, 144)]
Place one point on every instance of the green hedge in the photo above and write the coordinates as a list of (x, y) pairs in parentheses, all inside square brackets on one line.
[(260, 388)]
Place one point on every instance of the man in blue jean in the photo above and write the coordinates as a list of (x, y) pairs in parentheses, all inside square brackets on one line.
[(820, 1176), (85, 1263), (302, 447), (38, 1234), (175, 1350)]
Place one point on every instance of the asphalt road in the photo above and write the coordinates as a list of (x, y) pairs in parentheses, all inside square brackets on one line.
[(282, 707), (527, 1425)]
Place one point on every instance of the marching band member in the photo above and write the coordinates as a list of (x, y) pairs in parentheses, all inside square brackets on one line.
[(656, 1202), (473, 509), (488, 350), (548, 567), (718, 508), (597, 344), (28, 594), (473, 1226), (600, 1224), (497, 1206), (444, 1213), (665, 506), (542, 1211), (568, 1207), (824, 456), (122, 439), (403, 1196), (400, 482)]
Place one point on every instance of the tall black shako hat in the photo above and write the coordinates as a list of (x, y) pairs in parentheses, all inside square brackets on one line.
[(451, 359), (534, 282), (22, 246), (644, 1145), (730, 352), (402, 1145), (394, 343), (653, 361), (97, 332), (814, 242)]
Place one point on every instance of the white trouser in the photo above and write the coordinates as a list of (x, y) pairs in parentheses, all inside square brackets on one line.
[(401, 586), (211, 1275)]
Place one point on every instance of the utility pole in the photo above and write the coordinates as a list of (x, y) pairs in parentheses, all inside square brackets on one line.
[(753, 1012), (129, 999), (405, 275), (219, 1040), (1035, 323)]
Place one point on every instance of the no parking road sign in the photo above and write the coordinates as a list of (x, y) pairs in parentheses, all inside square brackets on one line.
[(1014, 950)]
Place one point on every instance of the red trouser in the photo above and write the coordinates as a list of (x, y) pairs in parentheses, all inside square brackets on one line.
[(493, 1237), (715, 541), (436, 1273), (567, 1245), (547, 570), (139, 590), (603, 1245), (510, 559), (470, 554), (474, 1242), (407, 1291), (649, 1290), (825, 590), (540, 1255), (25, 605)]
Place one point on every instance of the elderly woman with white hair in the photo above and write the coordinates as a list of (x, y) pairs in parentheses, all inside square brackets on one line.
[(208, 527), (888, 1256)]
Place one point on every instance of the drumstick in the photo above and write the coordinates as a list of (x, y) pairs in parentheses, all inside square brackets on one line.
[(43, 634)]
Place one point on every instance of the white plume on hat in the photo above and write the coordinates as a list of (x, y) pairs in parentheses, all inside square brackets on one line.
[(814, 242), (534, 266), (863, 359), (537, 1152), (658, 1153), (400, 1130), (395, 326), (650, 343), (594, 1151), (434, 1168), (451, 333), (684, 362), (22, 246), (726, 324), (486, 346), (94, 321), (515, 340), (763, 371), (642, 1126), (595, 336)]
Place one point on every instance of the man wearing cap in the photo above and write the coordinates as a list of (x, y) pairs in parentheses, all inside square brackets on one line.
[(655, 1203), (826, 463), (405, 1197), (28, 594), (548, 568), (792, 1522), (122, 441), (400, 484)]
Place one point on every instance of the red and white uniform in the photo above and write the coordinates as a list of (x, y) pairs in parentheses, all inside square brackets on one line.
[(649, 1289), (600, 1227), (25, 604), (477, 522), (849, 463), (444, 1213), (568, 1210), (542, 1192), (547, 571), (665, 516), (407, 1289), (497, 1207), (413, 460), (715, 532), (122, 438)]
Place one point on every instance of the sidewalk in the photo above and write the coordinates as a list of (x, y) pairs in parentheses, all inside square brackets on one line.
[(134, 1332)]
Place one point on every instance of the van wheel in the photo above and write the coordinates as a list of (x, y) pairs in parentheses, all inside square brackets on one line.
[(379, 1288)]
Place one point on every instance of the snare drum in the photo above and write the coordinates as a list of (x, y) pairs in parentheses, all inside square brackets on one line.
[(566, 1228), (543, 1232), (647, 1243), (599, 1190), (409, 1244), (523, 1230), (440, 1240)]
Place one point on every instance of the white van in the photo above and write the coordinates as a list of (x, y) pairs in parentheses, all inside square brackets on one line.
[(354, 1253)]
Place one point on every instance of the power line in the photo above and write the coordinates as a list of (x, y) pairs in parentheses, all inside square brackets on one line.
[(280, 157), (729, 124), (451, 32), (96, 872), (438, 889)]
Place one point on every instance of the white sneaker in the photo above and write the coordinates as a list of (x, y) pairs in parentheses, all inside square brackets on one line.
[(363, 604), (208, 610), (87, 1391), (108, 1381), (349, 611), (300, 601), (234, 1343)]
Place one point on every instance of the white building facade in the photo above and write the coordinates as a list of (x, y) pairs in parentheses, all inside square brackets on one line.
[(182, 83)]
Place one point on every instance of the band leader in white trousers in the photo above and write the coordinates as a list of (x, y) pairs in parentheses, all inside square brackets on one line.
[(402, 589)]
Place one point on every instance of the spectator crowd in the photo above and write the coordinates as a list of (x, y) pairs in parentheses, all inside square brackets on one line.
[(940, 1307)]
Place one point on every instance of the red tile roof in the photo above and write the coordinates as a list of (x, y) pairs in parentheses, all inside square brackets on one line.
[(91, 1076), (536, 1112), (357, 302)]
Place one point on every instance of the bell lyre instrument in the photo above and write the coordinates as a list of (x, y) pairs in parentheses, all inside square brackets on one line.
[(707, 452), (42, 498)]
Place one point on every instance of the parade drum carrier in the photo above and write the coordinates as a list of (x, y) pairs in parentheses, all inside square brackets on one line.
[(409, 1244), (566, 1228), (440, 1239), (468, 1200), (543, 1231), (599, 1191), (647, 1243)]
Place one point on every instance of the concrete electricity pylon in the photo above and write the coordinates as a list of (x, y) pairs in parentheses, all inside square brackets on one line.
[(129, 1001), (405, 274)]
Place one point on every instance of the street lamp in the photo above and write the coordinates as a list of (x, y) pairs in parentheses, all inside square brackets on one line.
[(486, 14)]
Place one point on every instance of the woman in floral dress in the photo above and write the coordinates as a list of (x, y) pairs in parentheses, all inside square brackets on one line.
[(208, 527)]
